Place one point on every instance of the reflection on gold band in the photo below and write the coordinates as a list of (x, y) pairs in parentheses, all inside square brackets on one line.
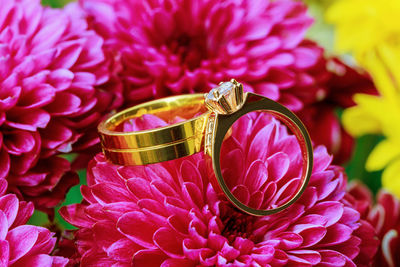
[(155, 145)]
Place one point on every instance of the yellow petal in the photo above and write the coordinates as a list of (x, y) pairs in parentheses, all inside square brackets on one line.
[(391, 178), (382, 155), (358, 121), (381, 73)]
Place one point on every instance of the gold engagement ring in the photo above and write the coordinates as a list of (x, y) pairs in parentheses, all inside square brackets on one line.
[(219, 110)]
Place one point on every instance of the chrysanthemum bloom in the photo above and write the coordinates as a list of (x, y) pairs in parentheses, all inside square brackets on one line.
[(20, 244), (384, 217), (169, 214), (181, 46), (51, 70), (373, 38)]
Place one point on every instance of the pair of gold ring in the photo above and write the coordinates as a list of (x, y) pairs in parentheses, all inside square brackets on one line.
[(206, 120)]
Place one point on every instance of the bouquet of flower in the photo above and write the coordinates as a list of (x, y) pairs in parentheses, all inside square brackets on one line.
[(66, 65)]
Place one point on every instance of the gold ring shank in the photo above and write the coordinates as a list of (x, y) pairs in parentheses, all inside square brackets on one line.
[(160, 144), (254, 102)]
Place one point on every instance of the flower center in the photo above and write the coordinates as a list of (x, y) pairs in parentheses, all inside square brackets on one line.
[(238, 224), (191, 50)]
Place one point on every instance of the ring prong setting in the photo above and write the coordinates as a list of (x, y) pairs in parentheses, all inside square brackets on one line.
[(226, 98)]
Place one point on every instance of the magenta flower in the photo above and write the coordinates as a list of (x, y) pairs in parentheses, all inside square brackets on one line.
[(384, 217), (55, 86), (169, 214), (337, 83), (181, 46), (20, 244)]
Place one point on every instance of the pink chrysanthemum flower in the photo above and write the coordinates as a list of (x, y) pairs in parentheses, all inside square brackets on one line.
[(51, 70), (20, 244), (184, 46), (384, 217), (169, 214)]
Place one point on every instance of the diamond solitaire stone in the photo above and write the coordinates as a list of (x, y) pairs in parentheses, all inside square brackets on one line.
[(226, 98)]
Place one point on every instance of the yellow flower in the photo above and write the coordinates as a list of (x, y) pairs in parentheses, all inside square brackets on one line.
[(363, 25), (370, 30)]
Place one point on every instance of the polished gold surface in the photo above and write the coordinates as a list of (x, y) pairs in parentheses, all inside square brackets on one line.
[(219, 124), (160, 144)]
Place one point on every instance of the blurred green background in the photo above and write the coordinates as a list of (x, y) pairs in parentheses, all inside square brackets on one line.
[(55, 3), (320, 32)]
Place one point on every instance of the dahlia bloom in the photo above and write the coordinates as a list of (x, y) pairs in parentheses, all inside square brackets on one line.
[(384, 217), (339, 82), (169, 213), (20, 244), (54, 80), (181, 46)]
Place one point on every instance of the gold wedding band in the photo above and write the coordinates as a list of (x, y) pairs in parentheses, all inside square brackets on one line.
[(160, 144), (218, 110)]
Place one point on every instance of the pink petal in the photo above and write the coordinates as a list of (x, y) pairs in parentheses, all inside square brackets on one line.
[(286, 192), (137, 227), (289, 241), (256, 176), (21, 240), (233, 173), (190, 173), (331, 210), (242, 193), (169, 242), (9, 205), (4, 252), (61, 79), (3, 225), (68, 54), (25, 212), (64, 104), (269, 90), (278, 164), (18, 142), (109, 193), (122, 250), (177, 263), (192, 195), (3, 186), (244, 245), (55, 135), (336, 234), (311, 256), (305, 57), (258, 148), (36, 97), (105, 233), (311, 234), (35, 260), (30, 121), (50, 33), (75, 215), (148, 258), (9, 97), (105, 173), (332, 258), (140, 188), (4, 166)]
